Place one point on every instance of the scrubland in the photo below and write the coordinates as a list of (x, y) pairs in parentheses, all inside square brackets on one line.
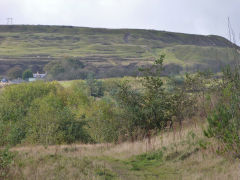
[(132, 128), (173, 154)]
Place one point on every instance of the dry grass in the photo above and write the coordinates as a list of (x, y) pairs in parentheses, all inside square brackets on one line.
[(183, 159)]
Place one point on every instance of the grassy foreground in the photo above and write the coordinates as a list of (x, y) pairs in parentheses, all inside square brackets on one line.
[(176, 154)]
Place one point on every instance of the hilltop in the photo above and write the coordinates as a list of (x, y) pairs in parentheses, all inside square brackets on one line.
[(109, 52)]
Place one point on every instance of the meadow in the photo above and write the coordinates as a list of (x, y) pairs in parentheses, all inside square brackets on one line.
[(178, 154)]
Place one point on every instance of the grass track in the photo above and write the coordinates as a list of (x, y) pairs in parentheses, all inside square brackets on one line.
[(171, 155)]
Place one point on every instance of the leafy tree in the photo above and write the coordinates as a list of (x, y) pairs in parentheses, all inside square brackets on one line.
[(43, 113), (54, 68), (95, 86), (150, 109), (153, 107), (223, 121), (15, 72), (15, 102), (65, 69), (27, 74), (51, 121), (104, 123)]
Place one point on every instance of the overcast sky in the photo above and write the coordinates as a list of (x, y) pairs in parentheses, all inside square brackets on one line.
[(188, 16)]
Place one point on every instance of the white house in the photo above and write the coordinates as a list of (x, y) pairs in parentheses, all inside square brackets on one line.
[(39, 76)]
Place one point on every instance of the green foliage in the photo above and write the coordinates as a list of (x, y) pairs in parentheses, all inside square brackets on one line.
[(16, 132), (157, 155), (54, 68), (202, 85), (105, 173), (104, 121), (47, 113), (27, 74), (77, 98), (95, 86), (16, 101), (147, 159), (6, 159), (67, 68), (50, 121), (225, 128), (130, 101), (151, 108), (41, 113), (147, 110), (15, 72), (224, 121)]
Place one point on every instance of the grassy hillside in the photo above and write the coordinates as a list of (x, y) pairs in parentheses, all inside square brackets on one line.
[(35, 46)]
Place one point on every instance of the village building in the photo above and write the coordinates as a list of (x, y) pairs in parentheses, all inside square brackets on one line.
[(38, 75)]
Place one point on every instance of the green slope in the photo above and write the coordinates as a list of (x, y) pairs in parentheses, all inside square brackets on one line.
[(34, 46)]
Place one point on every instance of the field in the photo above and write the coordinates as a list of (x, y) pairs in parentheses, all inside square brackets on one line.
[(184, 154)]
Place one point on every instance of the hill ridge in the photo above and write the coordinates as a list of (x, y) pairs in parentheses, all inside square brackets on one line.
[(109, 52), (216, 39)]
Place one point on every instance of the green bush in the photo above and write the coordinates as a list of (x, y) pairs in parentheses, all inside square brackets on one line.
[(95, 86), (6, 159), (16, 101), (15, 72), (225, 128), (104, 123), (27, 74), (50, 121), (223, 122), (43, 113), (152, 107), (47, 113), (65, 69)]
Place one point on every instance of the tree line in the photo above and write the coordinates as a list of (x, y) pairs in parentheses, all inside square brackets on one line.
[(96, 111)]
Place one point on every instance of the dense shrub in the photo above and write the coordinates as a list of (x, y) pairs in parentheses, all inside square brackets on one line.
[(90, 111), (41, 113), (224, 121), (27, 74), (152, 107), (6, 159), (225, 128), (15, 72), (16, 101), (104, 123), (95, 86), (65, 69), (50, 121)]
